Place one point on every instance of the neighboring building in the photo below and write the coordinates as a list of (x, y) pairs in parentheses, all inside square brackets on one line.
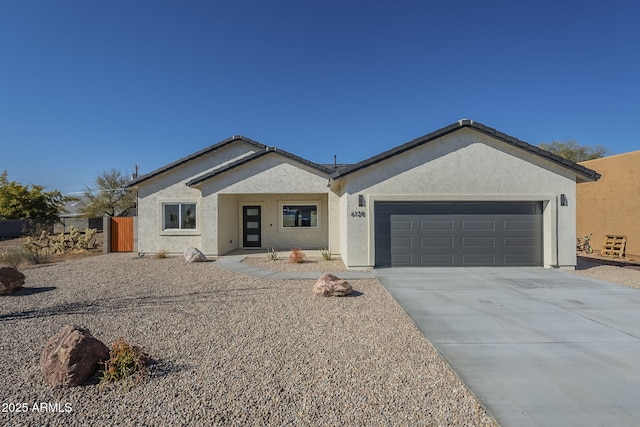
[(612, 204), (73, 218), (463, 195)]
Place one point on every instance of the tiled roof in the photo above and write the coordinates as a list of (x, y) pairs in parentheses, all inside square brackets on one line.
[(343, 170), (466, 123), (263, 149)]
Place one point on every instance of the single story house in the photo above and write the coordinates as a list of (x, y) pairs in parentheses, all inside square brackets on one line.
[(610, 206), (464, 195)]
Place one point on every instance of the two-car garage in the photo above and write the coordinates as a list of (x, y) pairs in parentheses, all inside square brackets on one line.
[(458, 234), (465, 195)]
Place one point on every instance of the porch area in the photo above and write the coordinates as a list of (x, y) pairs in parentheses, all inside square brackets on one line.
[(253, 223)]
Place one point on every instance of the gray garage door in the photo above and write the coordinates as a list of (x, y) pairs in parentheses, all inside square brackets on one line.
[(458, 234)]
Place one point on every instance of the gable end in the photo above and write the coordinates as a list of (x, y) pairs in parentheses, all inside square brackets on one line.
[(257, 155), (589, 174), (194, 156)]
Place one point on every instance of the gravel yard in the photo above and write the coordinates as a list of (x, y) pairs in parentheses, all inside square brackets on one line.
[(628, 276), (283, 265), (231, 350)]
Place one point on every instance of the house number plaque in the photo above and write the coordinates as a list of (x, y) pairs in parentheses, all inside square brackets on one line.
[(358, 214)]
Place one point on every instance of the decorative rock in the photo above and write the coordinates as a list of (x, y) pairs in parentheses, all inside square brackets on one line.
[(194, 255), (10, 280), (329, 285), (71, 356)]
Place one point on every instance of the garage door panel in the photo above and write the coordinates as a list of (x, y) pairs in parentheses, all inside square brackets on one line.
[(437, 260), (478, 259), (518, 225), (519, 259), (485, 242), (518, 242), (401, 242), (401, 225), (402, 259), (458, 233), (478, 225), (437, 242), (436, 225)]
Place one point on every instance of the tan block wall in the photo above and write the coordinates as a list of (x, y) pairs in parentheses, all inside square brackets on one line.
[(611, 205)]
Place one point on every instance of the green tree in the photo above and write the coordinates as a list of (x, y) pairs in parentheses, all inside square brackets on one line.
[(109, 197), (575, 152), (18, 201)]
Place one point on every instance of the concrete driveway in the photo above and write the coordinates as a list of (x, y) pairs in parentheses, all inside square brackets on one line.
[(537, 347)]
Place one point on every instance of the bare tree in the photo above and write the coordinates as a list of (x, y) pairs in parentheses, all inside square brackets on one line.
[(109, 196), (575, 152)]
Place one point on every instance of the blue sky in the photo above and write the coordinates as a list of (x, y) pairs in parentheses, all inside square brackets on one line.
[(87, 86)]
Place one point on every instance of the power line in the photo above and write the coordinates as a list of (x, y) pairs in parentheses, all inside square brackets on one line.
[(100, 190)]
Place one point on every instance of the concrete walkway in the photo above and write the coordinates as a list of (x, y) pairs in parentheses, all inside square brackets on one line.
[(537, 347)]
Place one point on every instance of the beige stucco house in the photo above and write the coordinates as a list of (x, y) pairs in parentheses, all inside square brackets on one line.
[(464, 195), (611, 206)]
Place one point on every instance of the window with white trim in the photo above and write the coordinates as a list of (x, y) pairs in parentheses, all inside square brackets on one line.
[(294, 216), (179, 216)]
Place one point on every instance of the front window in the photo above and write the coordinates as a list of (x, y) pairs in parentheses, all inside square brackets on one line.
[(179, 216), (300, 216)]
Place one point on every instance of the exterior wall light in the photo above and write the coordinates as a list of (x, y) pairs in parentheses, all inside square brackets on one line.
[(361, 200), (563, 200)]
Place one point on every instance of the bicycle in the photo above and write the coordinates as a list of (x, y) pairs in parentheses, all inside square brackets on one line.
[(582, 243)]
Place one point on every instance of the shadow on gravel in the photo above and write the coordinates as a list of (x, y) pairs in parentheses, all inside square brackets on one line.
[(355, 294), (158, 368), (109, 305), (74, 308), (31, 291), (583, 264), (163, 367)]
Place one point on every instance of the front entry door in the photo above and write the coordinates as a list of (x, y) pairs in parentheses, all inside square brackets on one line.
[(251, 227)]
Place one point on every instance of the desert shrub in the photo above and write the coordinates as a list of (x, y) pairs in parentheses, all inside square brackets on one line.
[(83, 241), (75, 241), (128, 363), (297, 256), (15, 257), (162, 254), (326, 254), (272, 254), (38, 229), (38, 246)]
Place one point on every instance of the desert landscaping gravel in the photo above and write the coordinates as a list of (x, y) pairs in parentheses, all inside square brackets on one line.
[(310, 264), (628, 276), (230, 350)]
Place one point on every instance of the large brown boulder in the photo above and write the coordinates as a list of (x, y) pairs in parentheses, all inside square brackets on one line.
[(71, 356), (10, 280), (329, 285)]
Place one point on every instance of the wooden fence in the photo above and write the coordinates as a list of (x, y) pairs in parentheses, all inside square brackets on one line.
[(121, 234)]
